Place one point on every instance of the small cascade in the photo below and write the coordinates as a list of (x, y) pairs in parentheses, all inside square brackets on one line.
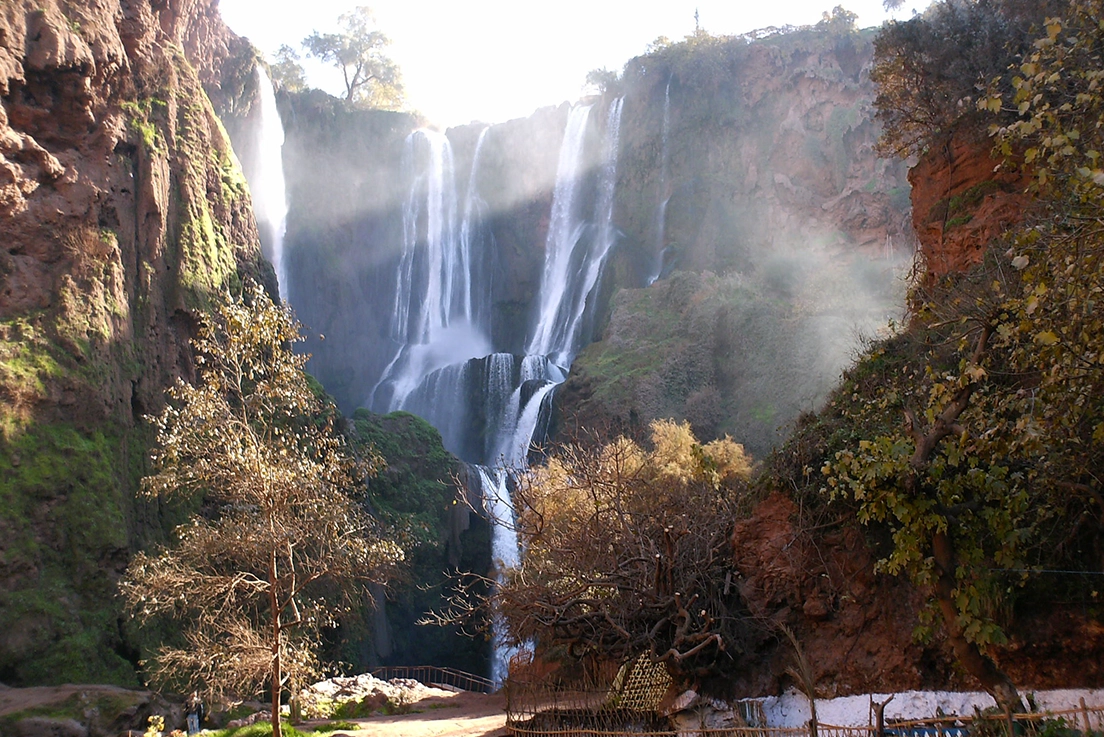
[(564, 233), (267, 183), (475, 241), (433, 288), (576, 245), (603, 239), (662, 195)]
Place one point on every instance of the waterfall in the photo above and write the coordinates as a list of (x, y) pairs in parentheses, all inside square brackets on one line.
[(431, 321), (488, 405), (472, 241), (267, 183), (662, 195), (575, 245), (564, 234), (433, 286)]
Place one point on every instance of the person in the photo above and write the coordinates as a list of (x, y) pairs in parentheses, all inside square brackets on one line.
[(193, 710)]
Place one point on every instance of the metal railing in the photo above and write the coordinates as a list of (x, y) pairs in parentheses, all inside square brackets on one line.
[(432, 675)]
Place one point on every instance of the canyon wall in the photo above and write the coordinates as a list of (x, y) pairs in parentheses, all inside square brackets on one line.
[(750, 166), (122, 210)]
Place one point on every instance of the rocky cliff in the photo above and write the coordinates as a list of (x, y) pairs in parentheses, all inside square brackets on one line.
[(750, 165), (963, 197), (122, 210)]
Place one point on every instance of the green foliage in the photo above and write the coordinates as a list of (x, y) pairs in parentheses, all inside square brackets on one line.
[(286, 71), (996, 462), (415, 494), (65, 523), (838, 22), (144, 116), (603, 80), (928, 69), (259, 729), (371, 78), (335, 727)]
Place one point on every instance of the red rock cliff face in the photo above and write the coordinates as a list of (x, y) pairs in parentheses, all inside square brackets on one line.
[(122, 210), (117, 184), (962, 198)]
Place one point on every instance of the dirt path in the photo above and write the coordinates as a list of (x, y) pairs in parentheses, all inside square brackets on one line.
[(447, 715)]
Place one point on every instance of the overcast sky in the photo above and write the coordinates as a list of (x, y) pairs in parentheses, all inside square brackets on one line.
[(492, 60)]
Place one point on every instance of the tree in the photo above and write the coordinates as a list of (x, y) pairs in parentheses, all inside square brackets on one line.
[(839, 22), (371, 77), (603, 80), (626, 552), (928, 69), (279, 524), (286, 71)]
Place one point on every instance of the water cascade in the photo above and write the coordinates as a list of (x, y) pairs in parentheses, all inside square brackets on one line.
[(266, 182), (662, 195), (488, 405)]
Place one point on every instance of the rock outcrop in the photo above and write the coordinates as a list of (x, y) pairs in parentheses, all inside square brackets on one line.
[(122, 210), (963, 197)]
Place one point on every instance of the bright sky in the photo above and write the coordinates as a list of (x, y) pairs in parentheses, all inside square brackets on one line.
[(492, 60)]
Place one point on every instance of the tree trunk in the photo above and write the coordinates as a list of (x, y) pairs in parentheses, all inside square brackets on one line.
[(976, 663), (277, 676)]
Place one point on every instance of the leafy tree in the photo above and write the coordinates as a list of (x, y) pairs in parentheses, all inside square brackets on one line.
[(279, 526), (997, 462), (928, 69), (839, 21), (626, 552), (286, 70), (603, 80), (1055, 325), (371, 77)]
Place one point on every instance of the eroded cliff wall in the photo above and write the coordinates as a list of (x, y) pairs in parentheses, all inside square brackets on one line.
[(122, 210)]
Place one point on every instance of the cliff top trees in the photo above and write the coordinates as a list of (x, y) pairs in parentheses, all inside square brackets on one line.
[(929, 69), (278, 523), (371, 77), (626, 552)]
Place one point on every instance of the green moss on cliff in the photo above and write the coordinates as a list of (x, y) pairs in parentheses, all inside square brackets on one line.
[(416, 494), (63, 512)]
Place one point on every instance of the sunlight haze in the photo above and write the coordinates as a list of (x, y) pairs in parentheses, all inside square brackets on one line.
[(493, 60)]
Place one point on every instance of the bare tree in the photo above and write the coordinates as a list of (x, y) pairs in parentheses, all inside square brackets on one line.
[(627, 552), (278, 523)]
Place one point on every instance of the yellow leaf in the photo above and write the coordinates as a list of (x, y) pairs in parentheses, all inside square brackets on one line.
[(1047, 337)]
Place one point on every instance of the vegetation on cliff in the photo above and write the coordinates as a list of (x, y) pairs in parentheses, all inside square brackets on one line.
[(991, 470), (415, 495), (121, 211)]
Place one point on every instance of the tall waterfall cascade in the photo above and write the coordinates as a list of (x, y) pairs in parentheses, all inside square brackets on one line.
[(266, 179), (488, 404), (663, 196)]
